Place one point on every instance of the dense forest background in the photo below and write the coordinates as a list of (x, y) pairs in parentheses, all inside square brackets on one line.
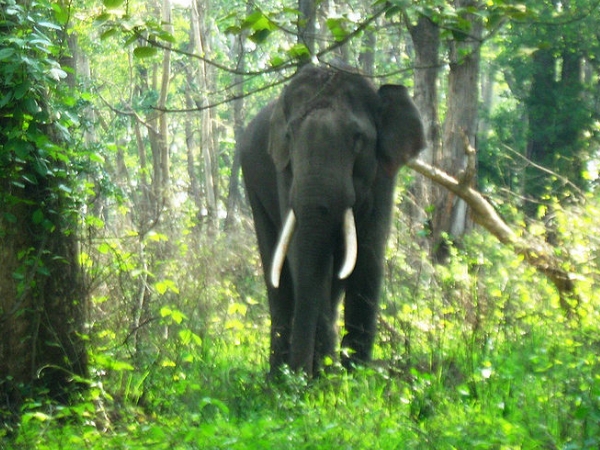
[(132, 305)]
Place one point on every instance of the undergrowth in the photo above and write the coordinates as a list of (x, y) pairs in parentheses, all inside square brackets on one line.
[(476, 354)]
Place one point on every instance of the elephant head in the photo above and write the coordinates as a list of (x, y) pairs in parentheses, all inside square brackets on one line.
[(325, 156)]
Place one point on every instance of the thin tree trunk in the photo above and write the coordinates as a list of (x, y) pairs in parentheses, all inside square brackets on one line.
[(190, 143), (426, 41), (157, 123), (306, 24), (367, 55), (234, 195), (206, 127)]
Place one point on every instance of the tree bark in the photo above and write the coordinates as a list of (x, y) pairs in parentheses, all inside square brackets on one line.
[(157, 123), (306, 25), (43, 302), (200, 44), (451, 216), (426, 41), (234, 195)]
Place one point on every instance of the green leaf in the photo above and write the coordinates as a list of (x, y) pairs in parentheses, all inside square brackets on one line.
[(298, 51), (166, 36), (37, 217), (61, 14), (336, 27), (233, 29), (144, 51), (277, 61), (108, 33), (188, 336), (21, 90), (104, 248), (259, 36), (113, 3), (31, 106), (5, 100), (50, 25), (21, 148), (166, 285), (6, 53), (175, 314)]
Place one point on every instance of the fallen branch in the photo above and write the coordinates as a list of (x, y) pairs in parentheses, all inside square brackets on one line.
[(537, 253)]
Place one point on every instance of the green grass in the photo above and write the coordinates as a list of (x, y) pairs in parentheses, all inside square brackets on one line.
[(525, 394)]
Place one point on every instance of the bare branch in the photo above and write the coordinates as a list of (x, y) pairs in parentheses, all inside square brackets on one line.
[(565, 180)]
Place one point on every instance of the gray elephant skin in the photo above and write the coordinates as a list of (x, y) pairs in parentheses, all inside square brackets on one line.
[(320, 165)]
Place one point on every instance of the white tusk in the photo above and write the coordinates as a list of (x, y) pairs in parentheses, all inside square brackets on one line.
[(351, 246), (282, 248)]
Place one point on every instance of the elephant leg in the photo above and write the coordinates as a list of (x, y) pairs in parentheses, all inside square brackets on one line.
[(281, 308), (281, 303), (361, 308), (364, 285)]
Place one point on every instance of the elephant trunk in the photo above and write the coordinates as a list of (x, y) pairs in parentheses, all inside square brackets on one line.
[(350, 246)]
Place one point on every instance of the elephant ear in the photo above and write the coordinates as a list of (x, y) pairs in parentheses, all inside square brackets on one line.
[(400, 135), (278, 136)]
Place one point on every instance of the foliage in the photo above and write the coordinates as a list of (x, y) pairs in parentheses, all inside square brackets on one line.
[(546, 115), (476, 354), (473, 354)]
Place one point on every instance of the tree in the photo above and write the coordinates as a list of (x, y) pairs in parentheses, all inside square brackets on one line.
[(549, 72), (425, 35), (460, 124), (42, 297)]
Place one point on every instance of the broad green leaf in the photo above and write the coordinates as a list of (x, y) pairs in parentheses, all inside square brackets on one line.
[(298, 51), (144, 51), (336, 27), (260, 36), (277, 61), (188, 336), (10, 218), (166, 36), (37, 217), (166, 285), (6, 53)]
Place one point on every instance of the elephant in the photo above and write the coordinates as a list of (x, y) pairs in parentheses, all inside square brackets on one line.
[(319, 165)]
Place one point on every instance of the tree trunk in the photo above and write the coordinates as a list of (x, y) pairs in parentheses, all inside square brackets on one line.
[(43, 303), (426, 41), (367, 55), (541, 110), (200, 45), (234, 195), (451, 215), (306, 25), (42, 298), (157, 123), (190, 143), (556, 119)]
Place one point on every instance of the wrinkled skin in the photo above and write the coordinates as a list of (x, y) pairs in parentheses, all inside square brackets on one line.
[(329, 143)]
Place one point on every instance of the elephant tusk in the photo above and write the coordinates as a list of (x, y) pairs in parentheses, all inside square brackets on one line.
[(351, 245), (282, 248)]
